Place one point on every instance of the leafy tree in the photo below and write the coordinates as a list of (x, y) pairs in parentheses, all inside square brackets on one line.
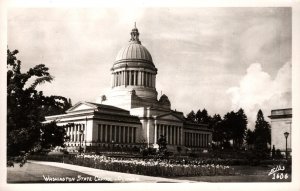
[(228, 126), (203, 117), (250, 137), (262, 135), (240, 128), (235, 125), (27, 107), (191, 116), (162, 146), (52, 135), (217, 126)]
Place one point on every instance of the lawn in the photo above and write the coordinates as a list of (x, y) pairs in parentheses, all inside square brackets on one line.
[(33, 173)]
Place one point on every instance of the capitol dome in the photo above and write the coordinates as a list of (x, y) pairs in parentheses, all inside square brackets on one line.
[(134, 52)]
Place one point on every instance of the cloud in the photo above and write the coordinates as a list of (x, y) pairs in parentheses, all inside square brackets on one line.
[(257, 90)]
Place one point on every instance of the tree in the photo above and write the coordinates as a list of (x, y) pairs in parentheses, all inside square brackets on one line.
[(52, 135), (235, 125), (202, 117), (162, 146), (27, 107), (262, 135), (250, 138), (217, 126), (240, 128), (191, 116)]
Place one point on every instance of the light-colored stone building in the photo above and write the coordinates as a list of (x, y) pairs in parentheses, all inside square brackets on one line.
[(281, 122), (131, 112)]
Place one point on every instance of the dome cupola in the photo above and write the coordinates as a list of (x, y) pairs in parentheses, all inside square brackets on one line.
[(134, 53)]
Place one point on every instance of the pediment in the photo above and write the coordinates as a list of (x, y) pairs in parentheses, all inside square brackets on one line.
[(81, 106), (169, 117)]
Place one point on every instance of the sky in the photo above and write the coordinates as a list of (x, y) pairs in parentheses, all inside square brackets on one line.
[(220, 59)]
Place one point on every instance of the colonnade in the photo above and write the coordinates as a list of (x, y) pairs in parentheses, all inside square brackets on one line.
[(116, 134), (172, 132), (196, 139), (74, 132), (134, 78)]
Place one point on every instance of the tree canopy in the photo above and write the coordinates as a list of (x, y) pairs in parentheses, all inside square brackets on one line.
[(262, 134), (233, 126), (27, 108)]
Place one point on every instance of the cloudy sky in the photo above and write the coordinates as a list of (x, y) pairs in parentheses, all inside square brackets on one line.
[(220, 59)]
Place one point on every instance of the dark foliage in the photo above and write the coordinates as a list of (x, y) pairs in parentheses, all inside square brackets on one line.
[(262, 134), (27, 107)]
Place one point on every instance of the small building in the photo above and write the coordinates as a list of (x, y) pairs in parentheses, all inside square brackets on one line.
[(281, 126), (131, 113)]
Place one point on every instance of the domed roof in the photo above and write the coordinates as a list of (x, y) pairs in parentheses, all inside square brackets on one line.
[(134, 51)]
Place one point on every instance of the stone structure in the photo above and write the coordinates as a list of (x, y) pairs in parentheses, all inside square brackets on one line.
[(281, 122), (131, 113)]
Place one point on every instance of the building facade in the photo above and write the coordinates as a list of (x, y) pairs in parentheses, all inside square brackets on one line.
[(131, 113), (281, 123)]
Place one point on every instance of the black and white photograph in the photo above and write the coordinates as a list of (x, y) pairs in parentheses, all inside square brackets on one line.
[(150, 94)]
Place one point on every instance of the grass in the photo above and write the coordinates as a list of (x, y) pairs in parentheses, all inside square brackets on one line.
[(33, 173)]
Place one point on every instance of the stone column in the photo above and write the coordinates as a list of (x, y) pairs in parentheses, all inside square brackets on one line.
[(118, 79), (158, 131), (174, 135), (105, 133), (178, 135), (142, 78), (120, 134), (124, 77), (110, 133), (99, 132), (124, 134), (129, 83), (71, 134), (115, 134), (132, 134), (139, 78), (153, 80), (171, 134), (147, 79), (166, 132), (115, 80), (155, 132), (121, 77)]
